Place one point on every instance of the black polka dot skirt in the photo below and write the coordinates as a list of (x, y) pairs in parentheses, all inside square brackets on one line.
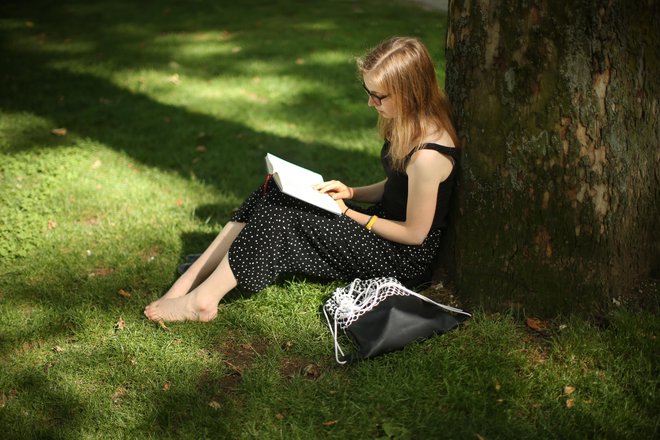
[(284, 235)]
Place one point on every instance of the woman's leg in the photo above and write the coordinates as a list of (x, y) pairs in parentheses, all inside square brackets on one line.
[(206, 263), (199, 305)]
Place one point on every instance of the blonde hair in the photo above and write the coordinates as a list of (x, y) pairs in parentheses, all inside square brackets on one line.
[(402, 68)]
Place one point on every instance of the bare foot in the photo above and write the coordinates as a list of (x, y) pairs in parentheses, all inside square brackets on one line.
[(192, 307)]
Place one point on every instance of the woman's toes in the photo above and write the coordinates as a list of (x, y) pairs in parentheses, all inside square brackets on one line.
[(186, 308)]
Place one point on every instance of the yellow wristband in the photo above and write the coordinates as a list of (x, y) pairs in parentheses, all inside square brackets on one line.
[(371, 222)]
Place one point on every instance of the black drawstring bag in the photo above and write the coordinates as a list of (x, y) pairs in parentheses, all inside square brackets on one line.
[(381, 315)]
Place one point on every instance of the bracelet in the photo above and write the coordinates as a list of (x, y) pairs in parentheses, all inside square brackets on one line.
[(346, 210), (371, 222)]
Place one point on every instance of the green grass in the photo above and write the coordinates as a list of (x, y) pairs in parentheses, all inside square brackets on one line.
[(116, 202)]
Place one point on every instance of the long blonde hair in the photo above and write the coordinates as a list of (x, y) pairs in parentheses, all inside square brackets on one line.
[(402, 67)]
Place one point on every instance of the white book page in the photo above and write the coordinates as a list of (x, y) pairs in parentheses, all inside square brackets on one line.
[(298, 182)]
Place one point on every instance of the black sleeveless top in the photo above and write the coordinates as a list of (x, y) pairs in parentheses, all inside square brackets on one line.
[(395, 196)]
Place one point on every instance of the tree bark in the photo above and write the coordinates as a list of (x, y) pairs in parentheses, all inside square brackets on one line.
[(556, 104)]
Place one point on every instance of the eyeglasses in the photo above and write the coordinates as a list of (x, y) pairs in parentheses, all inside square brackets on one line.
[(378, 100)]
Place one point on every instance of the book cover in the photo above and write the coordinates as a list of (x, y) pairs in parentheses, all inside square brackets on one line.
[(298, 182)]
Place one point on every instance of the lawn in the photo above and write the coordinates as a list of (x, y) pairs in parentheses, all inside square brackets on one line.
[(129, 131)]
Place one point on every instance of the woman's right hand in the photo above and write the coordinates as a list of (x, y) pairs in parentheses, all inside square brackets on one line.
[(335, 189)]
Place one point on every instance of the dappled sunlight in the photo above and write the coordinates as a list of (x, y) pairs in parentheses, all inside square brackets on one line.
[(320, 25), (222, 73), (91, 192), (332, 57), (129, 133), (29, 36), (264, 102), (195, 46)]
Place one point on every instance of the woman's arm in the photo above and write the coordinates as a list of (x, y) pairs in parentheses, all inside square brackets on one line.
[(426, 170)]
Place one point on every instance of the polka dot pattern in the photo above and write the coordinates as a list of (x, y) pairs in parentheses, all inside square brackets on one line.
[(284, 235)]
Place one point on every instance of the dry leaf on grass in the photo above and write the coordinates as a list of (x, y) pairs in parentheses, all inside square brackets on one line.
[(4, 398), (568, 390), (166, 386), (330, 423), (122, 292), (52, 224), (234, 368), (214, 404), (59, 131), (58, 349), (91, 220), (536, 324), (121, 324), (311, 371), (570, 403), (101, 272), (279, 416), (118, 394)]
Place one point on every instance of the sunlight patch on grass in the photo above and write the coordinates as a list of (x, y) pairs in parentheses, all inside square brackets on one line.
[(320, 25), (54, 45), (331, 57), (194, 46), (85, 188), (260, 102)]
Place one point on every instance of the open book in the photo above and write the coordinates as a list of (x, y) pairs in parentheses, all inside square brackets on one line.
[(297, 182)]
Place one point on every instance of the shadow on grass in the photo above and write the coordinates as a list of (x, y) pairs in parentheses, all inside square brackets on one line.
[(107, 36), (53, 82), (56, 415), (155, 134)]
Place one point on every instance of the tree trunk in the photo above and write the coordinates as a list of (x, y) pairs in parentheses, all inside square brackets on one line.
[(556, 104)]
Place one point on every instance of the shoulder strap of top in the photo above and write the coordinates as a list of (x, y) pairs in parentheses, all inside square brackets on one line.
[(453, 152)]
